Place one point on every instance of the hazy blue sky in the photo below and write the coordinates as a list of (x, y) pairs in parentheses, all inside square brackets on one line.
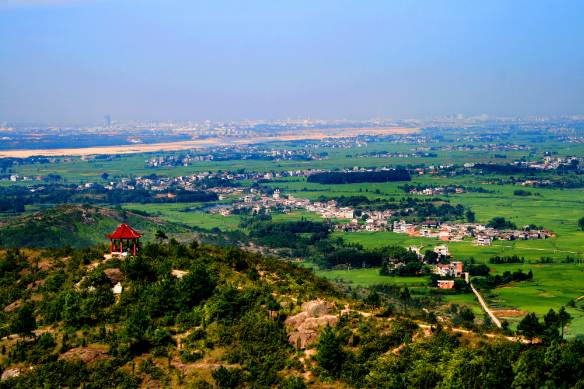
[(75, 61)]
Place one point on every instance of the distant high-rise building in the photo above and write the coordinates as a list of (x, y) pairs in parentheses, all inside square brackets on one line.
[(107, 121)]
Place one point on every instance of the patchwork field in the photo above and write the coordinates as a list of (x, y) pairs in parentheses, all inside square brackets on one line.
[(553, 286), (558, 210)]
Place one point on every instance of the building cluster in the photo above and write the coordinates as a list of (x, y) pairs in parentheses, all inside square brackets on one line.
[(553, 162), (176, 160), (196, 181), (439, 190), (17, 177), (457, 232), (243, 152), (451, 270), (417, 154), (350, 220), (485, 147)]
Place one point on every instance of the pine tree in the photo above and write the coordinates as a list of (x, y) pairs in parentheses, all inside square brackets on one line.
[(564, 318), (24, 322), (404, 296), (329, 353), (530, 327)]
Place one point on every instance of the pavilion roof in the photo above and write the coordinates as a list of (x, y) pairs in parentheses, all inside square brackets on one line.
[(124, 231)]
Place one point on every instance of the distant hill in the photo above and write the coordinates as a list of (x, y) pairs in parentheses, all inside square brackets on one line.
[(77, 226)]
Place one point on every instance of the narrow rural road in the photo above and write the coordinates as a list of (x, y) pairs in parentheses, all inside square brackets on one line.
[(428, 327), (485, 306)]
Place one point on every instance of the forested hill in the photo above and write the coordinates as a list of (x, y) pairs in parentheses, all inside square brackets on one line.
[(187, 316), (203, 316), (76, 226)]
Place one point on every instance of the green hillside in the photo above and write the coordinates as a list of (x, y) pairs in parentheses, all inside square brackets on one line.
[(77, 226), (197, 316)]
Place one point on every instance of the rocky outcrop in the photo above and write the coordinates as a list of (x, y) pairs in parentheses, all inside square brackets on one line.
[(115, 275), (304, 327), (84, 354), (13, 306), (12, 372)]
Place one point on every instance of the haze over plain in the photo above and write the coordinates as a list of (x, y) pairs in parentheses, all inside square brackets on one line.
[(75, 61)]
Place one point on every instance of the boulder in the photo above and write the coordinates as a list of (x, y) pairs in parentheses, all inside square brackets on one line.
[(317, 308), (84, 354), (115, 275), (13, 306), (117, 289), (179, 273), (12, 372), (306, 325), (302, 339)]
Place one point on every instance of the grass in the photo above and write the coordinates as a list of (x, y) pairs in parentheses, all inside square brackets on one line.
[(468, 299), (188, 213), (369, 277), (531, 250), (182, 213), (553, 286)]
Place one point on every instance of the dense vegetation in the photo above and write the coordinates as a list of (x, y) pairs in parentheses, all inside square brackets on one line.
[(15, 198), (313, 242), (220, 308), (76, 226), (228, 310), (492, 281), (500, 223)]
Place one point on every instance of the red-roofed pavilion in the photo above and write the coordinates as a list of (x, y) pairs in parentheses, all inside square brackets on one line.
[(126, 236)]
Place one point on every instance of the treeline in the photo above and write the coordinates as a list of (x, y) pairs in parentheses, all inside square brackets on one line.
[(358, 177), (550, 330), (11, 205), (490, 282), (15, 198), (522, 193), (297, 235), (506, 259), (477, 269), (357, 256), (500, 223), (146, 197), (7, 163)]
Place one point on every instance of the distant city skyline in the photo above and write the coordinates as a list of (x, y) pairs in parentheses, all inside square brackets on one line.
[(82, 61)]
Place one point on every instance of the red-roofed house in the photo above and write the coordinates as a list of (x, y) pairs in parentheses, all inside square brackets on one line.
[(124, 236)]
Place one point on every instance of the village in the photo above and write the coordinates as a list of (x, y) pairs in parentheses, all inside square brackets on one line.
[(244, 152), (439, 190), (350, 220)]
